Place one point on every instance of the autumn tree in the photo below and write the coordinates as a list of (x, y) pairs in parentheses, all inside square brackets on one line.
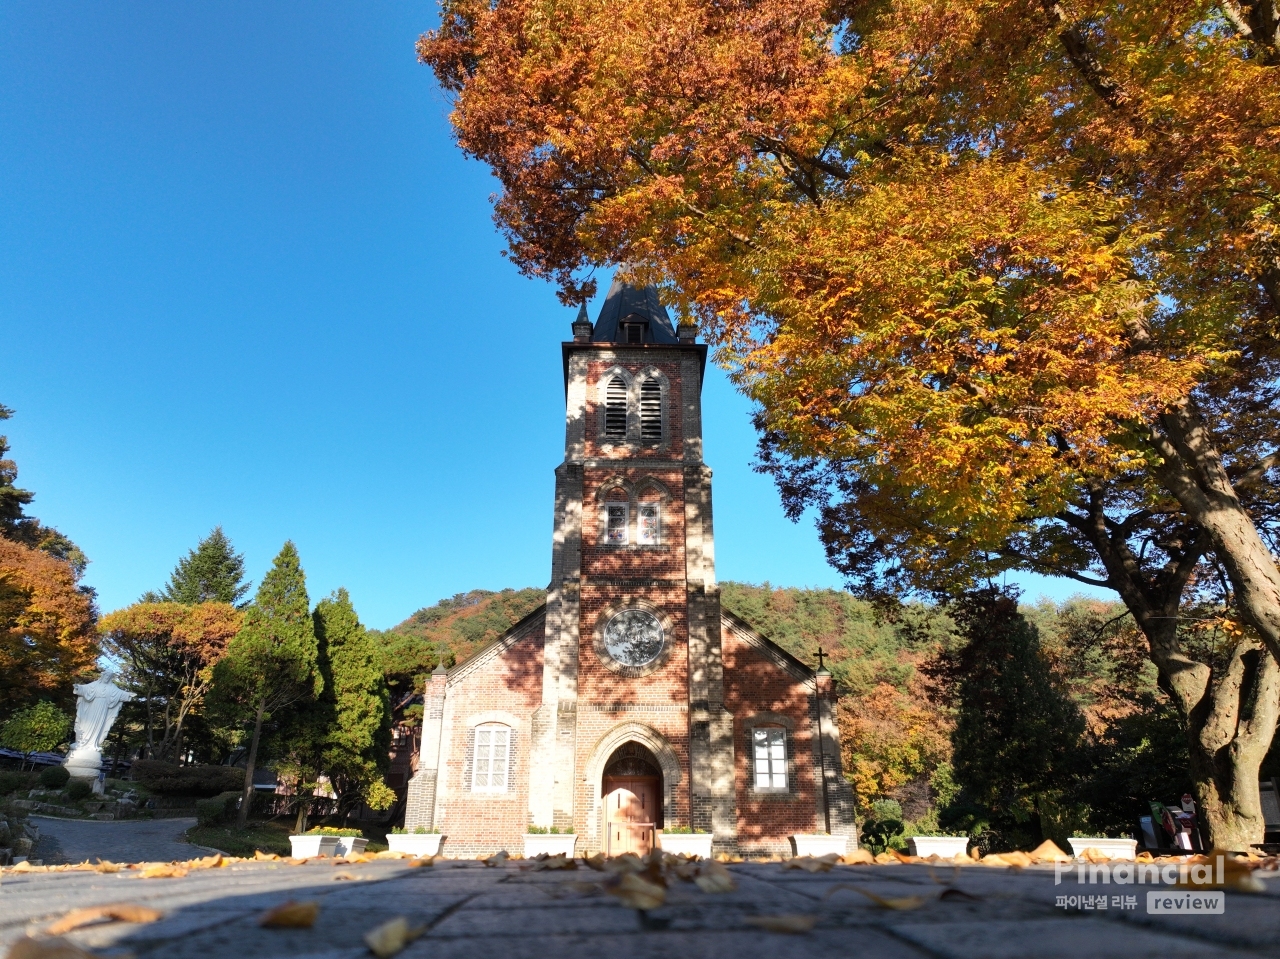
[(271, 663), (167, 652), (1003, 280), (47, 638)]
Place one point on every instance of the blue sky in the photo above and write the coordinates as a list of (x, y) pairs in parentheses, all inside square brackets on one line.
[(247, 278)]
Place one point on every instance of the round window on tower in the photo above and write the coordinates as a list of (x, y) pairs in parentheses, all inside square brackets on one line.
[(633, 637)]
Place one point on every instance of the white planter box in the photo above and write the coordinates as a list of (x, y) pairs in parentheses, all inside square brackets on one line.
[(819, 844), (945, 847), (308, 847), (535, 844), (1113, 848), (350, 845), (686, 844), (418, 844)]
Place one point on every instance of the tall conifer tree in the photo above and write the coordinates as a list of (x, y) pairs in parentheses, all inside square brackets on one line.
[(272, 662), (359, 740), (213, 572)]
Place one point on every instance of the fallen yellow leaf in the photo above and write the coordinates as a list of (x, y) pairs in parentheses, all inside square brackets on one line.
[(597, 862), (713, 877), (637, 893), (785, 923), (900, 903), (163, 870), (498, 858), (291, 915), (811, 864), (344, 876), (118, 912), (859, 857), (420, 861), (260, 856), (1048, 851), (884, 859), (558, 861), (106, 865), (392, 936), (29, 948)]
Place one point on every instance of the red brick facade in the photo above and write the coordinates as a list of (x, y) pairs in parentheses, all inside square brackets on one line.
[(561, 700)]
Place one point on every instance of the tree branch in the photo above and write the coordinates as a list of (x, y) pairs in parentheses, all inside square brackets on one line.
[(1257, 472), (1086, 62)]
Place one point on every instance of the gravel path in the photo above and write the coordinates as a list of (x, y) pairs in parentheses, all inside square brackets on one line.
[(132, 840), (470, 912)]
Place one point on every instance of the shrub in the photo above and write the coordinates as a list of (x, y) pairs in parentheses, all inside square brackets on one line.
[(537, 830), (397, 831), (55, 777), (217, 809), (168, 779), (79, 789), (11, 782), (331, 831)]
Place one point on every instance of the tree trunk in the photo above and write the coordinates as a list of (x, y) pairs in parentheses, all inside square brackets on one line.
[(246, 798), (1229, 736), (1193, 472), (1229, 718), (300, 824)]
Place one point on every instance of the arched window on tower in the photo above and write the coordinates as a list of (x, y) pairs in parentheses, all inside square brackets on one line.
[(651, 411), (615, 409)]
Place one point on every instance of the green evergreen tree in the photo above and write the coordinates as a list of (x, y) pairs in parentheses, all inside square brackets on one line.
[(358, 743), (345, 732), (272, 662), (212, 572), (1018, 738)]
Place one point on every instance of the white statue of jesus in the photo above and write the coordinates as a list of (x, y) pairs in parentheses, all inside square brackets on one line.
[(97, 705)]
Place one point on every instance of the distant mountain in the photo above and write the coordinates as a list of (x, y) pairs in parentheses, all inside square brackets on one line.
[(863, 650), (452, 630)]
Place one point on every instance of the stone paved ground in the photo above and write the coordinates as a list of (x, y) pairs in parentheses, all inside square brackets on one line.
[(133, 840), (473, 911)]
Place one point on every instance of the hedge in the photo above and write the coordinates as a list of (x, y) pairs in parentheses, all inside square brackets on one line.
[(167, 779)]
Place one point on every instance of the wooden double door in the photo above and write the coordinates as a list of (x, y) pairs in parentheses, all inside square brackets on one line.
[(633, 810)]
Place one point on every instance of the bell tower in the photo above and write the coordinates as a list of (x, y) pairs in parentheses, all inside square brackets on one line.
[(632, 636)]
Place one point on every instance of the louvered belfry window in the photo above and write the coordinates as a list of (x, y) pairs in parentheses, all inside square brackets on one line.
[(651, 411), (615, 408)]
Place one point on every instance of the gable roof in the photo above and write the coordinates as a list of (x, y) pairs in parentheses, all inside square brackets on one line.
[(783, 659), (531, 625)]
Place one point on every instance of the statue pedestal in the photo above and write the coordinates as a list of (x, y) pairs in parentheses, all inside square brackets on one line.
[(84, 763)]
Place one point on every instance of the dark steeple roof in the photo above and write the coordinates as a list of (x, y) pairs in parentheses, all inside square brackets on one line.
[(639, 304)]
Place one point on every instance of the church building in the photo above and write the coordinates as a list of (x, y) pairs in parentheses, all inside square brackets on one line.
[(631, 703)]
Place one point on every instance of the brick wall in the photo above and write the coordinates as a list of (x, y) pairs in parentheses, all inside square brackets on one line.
[(754, 683), (511, 682)]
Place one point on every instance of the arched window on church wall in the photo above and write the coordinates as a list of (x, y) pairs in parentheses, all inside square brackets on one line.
[(617, 517), (649, 519)]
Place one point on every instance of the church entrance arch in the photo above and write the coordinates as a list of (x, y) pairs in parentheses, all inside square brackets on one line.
[(632, 791), (660, 753)]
